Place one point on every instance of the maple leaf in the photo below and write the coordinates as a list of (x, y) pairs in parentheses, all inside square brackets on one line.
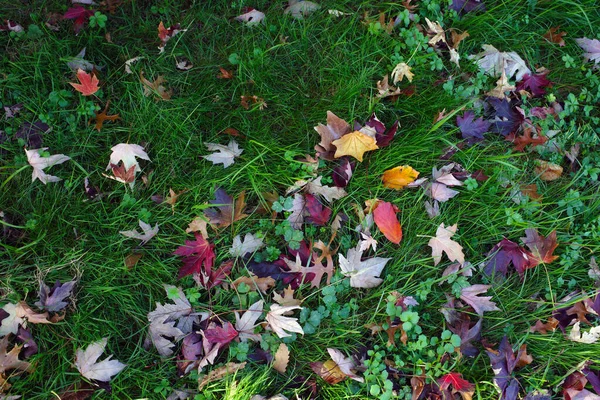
[(506, 253), (337, 369), (437, 32), (180, 310), (317, 213), (191, 351), (287, 299), (282, 358), (221, 335), (88, 83), (280, 324), (466, 6), (440, 192), (196, 253), (20, 314), (354, 144), (87, 365), (399, 177), (535, 83), (250, 244), (148, 234), (127, 153), (367, 242), (548, 171), (472, 129), (444, 175), (592, 48), (505, 116), (504, 361), (251, 18), (442, 242), (25, 338), (247, 322), (400, 71), (165, 34), (159, 330), (53, 299), (32, 133), (387, 222), (554, 36), (121, 174), (254, 283), (80, 16), (198, 224), (480, 304), (224, 154), (526, 138), (315, 187), (101, 117), (335, 129), (342, 173), (541, 247), (9, 360), (502, 86), (363, 274), (386, 90), (493, 62), (39, 163), (157, 88), (226, 212), (456, 380)]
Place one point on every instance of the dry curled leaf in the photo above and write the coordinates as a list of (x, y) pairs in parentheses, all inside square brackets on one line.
[(548, 171), (219, 373), (282, 358)]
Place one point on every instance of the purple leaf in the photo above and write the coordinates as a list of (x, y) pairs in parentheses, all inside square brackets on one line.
[(535, 84), (592, 48), (472, 129), (29, 346), (54, 299), (465, 6), (503, 363), (32, 133), (505, 253), (317, 213), (343, 172), (191, 351), (593, 378), (504, 116), (263, 270), (384, 139)]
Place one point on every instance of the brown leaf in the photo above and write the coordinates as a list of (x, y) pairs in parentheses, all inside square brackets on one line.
[(418, 384), (219, 373), (521, 141), (9, 360), (233, 132), (329, 371), (78, 391), (255, 283), (548, 171), (120, 174), (245, 102), (282, 358), (101, 117), (224, 74), (156, 87), (198, 225), (287, 299), (543, 328), (554, 36), (132, 259), (524, 358), (531, 191), (580, 310), (173, 197)]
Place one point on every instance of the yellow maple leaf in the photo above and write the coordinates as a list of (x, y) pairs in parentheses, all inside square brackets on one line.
[(354, 144), (397, 178)]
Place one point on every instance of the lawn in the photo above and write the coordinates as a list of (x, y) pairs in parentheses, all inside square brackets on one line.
[(468, 280)]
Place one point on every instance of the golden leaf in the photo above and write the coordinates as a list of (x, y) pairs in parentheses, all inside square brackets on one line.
[(399, 177), (354, 144)]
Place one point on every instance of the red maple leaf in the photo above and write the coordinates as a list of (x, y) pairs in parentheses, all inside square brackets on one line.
[(317, 213), (541, 247), (80, 15), (196, 254), (88, 83), (526, 138), (221, 335), (455, 379), (535, 84)]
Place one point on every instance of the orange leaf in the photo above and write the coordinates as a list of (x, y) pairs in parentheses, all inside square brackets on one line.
[(397, 178), (554, 36), (101, 117), (224, 74), (88, 83), (354, 144), (385, 219)]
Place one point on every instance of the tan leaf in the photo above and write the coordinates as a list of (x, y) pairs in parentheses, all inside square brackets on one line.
[(548, 171), (502, 86), (282, 358), (354, 144), (457, 37), (442, 242), (157, 88), (219, 373), (401, 71), (198, 225), (335, 129), (329, 371), (255, 283), (287, 299), (386, 90), (437, 31), (132, 259)]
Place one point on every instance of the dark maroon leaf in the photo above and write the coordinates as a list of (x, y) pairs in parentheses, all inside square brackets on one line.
[(216, 276), (535, 84), (503, 115), (32, 133), (54, 299), (467, 334), (342, 173), (466, 6), (317, 213), (264, 269), (260, 356), (506, 253), (191, 351), (92, 192), (80, 16), (221, 335), (29, 346), (196, 254), (472, 129), (384, 139)]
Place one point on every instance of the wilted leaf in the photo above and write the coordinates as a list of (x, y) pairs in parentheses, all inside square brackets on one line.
[(9, 360), (335, 129), (525, 139), (255, 283), (252, 17), (198, 225), (315, 187), (541, 247), (400, 71), (493, 62), (250, 244), (53, 299), (399, 177), (442, 243), (87, 365), (301, 9), (219, 373), (166, 34), (157, 88), (554, 36), (588, 337), (282, 358), (247, 322), (548, 171), (227, 211), (287, 300), (39, 163), (592, 49), (440, 192), (103, 116), (480, 304)]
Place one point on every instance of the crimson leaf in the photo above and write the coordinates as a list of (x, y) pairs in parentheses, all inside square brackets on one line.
[(196, 254)]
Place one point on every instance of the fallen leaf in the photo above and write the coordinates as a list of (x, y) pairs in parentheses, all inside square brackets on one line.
[(315, 187), (287, 300), (87, 365), (39, 163), (541, 247), (456, 380), (9, 360), (251, 18), (400, 71), (53, 299), (466, 6), (148, 234), (280, 324), (255, 283), (554, 36), (543, 328), (165, 34), (329, 371), (334, 130), (184, 64), (316, 213), (80, 16), (525, 139), (220, 335), (472, 129), (247, 322), (387, 222), (157, 88), (548, 171), (367, 242), (354, 144), (494, 62), (363, 274), (440, 192), (121, 174), (225, 74), (592, 49), (399, 177), (588, 337), (198, 225), (88, 83), (386, 90), (219, 373), (227, 211), (197, 253), (503, 362), (132, 259), (502, 86), (250, 244), (506, 253), (282, 358), (296, 217), (301, 9), (442, 243), (224, 154), (127, 153), (437, 32), (480, 304), (101, 117), (180, 311), (536, 84)]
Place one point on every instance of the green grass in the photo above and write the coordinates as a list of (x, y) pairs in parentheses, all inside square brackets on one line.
[(324, 63)]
